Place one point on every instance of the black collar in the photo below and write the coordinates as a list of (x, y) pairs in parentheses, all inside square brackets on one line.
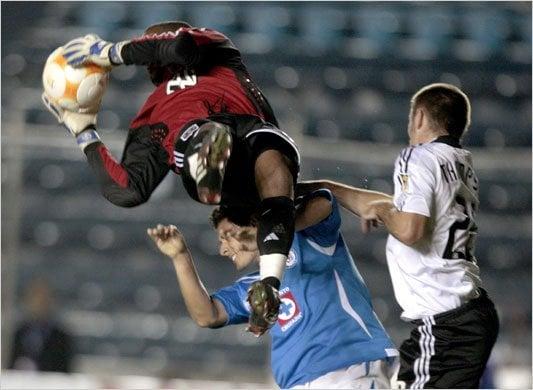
[(448, 140)]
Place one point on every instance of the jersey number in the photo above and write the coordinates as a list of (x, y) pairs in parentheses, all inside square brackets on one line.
[(462, 234), (184, 79)]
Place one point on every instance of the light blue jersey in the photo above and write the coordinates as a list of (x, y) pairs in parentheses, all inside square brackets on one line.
[(326, 321)]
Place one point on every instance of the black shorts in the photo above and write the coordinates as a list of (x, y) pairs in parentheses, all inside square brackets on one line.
[(451, 349), (251, 136)]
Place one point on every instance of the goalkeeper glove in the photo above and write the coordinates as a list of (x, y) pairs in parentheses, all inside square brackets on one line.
[(264, 304), (80, 125), (91, 48)]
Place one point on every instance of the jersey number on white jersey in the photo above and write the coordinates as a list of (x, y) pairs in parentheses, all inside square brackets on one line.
[(461, 239)]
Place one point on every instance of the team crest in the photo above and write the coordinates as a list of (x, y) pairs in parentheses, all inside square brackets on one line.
[(404, 180), (291, 259), (289, 312)]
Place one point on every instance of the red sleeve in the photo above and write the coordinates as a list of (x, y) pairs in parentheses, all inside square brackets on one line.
[(144, 165)]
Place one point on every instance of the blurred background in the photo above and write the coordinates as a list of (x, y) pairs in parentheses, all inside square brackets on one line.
[(339, 76)]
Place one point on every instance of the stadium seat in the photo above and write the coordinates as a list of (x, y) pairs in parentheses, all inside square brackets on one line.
[(524, 27), (268, 23), (144, 14), (487, 29), (104, 18), (430, 31), (375, 28), (321, 28), (219, 16), (504, 197)]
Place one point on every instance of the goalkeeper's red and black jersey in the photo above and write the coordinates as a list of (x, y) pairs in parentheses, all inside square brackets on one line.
[(212, 80)]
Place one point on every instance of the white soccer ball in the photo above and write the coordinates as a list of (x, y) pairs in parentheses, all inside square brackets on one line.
[(74, 89)]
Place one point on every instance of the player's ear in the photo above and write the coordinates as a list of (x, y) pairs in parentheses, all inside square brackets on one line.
[(420, 117)]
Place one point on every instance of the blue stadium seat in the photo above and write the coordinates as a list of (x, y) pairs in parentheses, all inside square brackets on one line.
[(377, 27), (218, 16), (270, 20), (487, 28), (321, 28), (524, 27), (103, 17), (144, 14), (504, 197), (503, 254), (431, 29)]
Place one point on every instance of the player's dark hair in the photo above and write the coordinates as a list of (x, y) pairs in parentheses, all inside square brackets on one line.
[(158, 73), (241, 216), (447, 106), (169, 26)]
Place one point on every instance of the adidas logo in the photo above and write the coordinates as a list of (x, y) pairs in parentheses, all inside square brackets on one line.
[(271, 237)]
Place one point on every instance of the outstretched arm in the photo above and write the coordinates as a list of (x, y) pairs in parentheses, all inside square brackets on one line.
[(353, 199), (206, 312), (144, 163), (186, 47), (370, 205)]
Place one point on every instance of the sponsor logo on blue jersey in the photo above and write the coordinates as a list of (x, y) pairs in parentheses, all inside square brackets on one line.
[(289, 311)]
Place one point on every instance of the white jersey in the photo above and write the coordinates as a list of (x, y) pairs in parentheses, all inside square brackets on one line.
[(440, 272)]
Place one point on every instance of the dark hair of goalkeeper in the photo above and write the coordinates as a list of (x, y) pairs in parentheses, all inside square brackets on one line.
[(158, 73)]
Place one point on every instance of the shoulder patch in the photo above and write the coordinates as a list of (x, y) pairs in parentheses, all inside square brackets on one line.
[(404, 182)]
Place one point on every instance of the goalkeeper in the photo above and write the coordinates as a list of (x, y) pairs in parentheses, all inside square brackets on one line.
[(204, 109), (327, 334)]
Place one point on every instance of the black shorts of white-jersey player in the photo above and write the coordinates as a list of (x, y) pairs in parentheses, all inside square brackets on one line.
[(198, 73), (430, 249)]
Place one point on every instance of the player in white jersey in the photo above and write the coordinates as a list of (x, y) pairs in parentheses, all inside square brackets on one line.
[(430, 249), (327, 334)]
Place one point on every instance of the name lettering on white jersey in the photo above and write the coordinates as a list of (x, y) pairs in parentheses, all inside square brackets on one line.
[(459, 171)]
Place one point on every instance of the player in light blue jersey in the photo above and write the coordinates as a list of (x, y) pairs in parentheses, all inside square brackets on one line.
[(327, 334)]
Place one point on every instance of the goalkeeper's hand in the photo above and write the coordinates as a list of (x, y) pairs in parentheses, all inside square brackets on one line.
[(92, 49), (264, 304), (80, 124)]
